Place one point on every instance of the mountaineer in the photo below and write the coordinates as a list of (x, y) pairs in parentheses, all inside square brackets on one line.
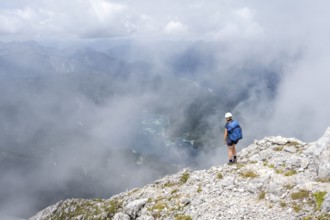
[(233, 133)]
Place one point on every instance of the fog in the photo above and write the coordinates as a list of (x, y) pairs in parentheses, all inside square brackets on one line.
[(102, 96)]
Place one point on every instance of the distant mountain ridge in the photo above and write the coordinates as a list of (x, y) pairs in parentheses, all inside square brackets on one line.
[(276, 178), (19, 59)]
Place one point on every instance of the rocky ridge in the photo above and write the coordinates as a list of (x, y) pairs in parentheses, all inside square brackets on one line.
[(276, 178)]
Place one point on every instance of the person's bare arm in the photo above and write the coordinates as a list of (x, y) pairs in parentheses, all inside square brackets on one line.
[(225, 136)]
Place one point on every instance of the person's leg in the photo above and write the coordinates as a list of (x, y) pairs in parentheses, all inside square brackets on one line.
[(234, 153), (230, 154)]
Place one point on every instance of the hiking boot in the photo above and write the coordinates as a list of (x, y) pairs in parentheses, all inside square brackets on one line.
[(230, 162), (235, 159)]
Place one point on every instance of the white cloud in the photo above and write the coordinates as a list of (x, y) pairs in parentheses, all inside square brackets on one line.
[(175, 28), (8, 24), (302, 104), (58, 19), (240, 24), (106, 11), (245, 14), (106, 18)]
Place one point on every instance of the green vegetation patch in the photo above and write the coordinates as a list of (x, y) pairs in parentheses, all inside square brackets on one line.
[(300, 195), (279, 171), (278, 148), (239, 166), (319, 198), (199, 190), (289, 186), (262, 195), (182, 217), (184, 178), (169, 184), (324, 216), (174, 191), (159, 206), (219, 176), (113, 206), (293, 143), (89, 209), (323, 180), (272, 166), (290, 173), (248, 174), (296, 207), (283, 204)]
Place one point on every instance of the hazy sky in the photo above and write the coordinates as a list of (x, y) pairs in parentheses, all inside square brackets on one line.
[(103, 18), (184, 19)]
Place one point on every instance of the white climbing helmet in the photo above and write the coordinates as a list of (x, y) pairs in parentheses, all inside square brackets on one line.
[(228, 115)]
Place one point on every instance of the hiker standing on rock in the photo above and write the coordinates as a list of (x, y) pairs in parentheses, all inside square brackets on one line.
[(233, 133)]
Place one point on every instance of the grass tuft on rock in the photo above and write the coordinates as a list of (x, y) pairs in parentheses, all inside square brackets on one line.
[(219, 176), (182, 217), (323, 180), (262, 195), (293, 143), (296, 207), (113, 207), (159, 206), (278, 148), (174, 191), (239, 166), (300, 195), (279, 171), (319, 198), (282, 204), (290, 173), (248, 174), (272, 166), (169, 184), (184, 178), (289, 186)]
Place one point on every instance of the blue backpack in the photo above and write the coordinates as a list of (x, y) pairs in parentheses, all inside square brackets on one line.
[(234, 131)]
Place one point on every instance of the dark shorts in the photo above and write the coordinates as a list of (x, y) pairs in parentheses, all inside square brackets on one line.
[(230, 142)]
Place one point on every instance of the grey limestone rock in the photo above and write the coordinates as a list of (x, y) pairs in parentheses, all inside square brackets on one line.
[(46, 213), (134, 207), (321, 151), (275, 179), (121, 216), (266, 154), (326, 203), (145, 217), (304, 163), (290, 149)]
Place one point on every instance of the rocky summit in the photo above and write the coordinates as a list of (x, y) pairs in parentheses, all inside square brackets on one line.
[(275, 178)]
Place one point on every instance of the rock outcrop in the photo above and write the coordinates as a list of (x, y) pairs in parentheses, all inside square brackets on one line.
[(276, 178)]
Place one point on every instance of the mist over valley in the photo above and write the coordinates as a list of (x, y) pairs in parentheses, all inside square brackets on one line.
[(77, 122)]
